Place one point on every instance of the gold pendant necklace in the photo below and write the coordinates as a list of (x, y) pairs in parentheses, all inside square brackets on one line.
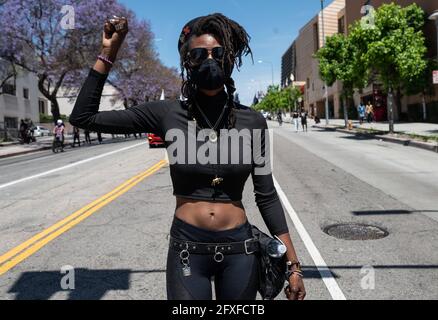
[(216, 181)]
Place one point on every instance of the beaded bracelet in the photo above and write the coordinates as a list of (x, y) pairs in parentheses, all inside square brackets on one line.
[(105, 59)]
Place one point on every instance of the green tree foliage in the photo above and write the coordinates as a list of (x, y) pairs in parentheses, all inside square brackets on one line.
[(396, 52), (340, 60), (392, 49), (277, 99)]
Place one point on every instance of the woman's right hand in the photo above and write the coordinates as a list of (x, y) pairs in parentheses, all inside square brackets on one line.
[(115, 31)]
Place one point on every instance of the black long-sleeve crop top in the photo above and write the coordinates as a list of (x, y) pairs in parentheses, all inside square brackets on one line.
[(192, 175)]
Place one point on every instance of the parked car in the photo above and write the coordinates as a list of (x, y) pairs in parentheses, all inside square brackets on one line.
[(39, 131), (154, 140)]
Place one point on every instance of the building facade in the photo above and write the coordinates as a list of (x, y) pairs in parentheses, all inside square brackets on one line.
[(308, 42), (289, 66), (109, 101), (411, 106), (20, 99), (338, 16)]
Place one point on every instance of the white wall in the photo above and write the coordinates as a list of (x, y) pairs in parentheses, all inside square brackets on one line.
[(16, 106), (67, 100)]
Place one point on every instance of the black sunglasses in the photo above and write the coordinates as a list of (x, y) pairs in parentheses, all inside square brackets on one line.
[(199, 55)]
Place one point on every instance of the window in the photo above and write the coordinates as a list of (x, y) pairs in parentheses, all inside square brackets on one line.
[(11, 123), (9, 89), (25, 93), (42, 106), (341, 25), (308, 83), (316, 37)]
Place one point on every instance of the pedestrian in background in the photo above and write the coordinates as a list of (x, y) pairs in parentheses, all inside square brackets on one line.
[(280, 117), (76, 136), (87, 136), (295, 118), (23, 129), (361, 111), (369, 112), (304, 120), (99, 137)]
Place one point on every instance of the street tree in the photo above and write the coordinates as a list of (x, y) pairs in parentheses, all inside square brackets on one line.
[(423, 85), (53, 40), (340, 60), (277, 99), (139, 75), (394, 49)]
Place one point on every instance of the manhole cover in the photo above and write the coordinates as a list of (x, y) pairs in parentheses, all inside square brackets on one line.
[(352, 231)]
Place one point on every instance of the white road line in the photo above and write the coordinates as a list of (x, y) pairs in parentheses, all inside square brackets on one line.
[(74, 164), (324, 271)]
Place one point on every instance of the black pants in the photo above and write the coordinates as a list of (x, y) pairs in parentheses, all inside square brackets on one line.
[(78, 139), (235, 278)]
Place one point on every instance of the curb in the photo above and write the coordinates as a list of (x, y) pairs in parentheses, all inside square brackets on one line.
[(7, 144), (405, 142), (24, 152), (66, 144)]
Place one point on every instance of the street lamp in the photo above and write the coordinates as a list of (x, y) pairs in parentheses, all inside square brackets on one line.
[(434, 17), (272, 68), (325, 82)]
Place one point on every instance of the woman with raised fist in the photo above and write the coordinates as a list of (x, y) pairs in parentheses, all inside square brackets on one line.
[(211, 237)]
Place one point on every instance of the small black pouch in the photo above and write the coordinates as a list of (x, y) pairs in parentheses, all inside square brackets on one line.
[(272, 271)]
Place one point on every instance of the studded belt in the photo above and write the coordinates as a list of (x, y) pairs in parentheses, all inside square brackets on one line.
[(248, 246)]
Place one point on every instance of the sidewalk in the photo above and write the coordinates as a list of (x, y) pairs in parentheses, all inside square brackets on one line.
[(414, 134), (8, 149), (419, 128)]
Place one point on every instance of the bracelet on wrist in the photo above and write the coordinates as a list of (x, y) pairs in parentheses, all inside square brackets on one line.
[(105, 59), (297, 273), (293, 266)]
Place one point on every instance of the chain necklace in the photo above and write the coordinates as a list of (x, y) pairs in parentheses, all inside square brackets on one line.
[(213, 134)]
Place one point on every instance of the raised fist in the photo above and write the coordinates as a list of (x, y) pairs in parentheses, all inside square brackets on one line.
[(115, 31)]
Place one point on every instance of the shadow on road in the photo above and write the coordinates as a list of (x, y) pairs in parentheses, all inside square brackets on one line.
[(312, 272), (359, 137), (89, 284), (390, 212), (93, 284)]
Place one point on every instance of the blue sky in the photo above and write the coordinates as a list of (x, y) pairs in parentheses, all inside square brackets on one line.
[(272, 25)]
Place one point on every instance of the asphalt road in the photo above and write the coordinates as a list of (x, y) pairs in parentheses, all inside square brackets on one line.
[(117, 238)]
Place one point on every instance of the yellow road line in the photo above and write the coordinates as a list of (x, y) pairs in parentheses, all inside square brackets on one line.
[(40, 240), (57, 225)]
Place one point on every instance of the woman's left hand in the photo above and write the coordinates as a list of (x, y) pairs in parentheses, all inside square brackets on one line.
[(295, 290)]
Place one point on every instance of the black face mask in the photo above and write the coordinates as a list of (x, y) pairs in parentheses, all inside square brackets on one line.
[(209, 75)]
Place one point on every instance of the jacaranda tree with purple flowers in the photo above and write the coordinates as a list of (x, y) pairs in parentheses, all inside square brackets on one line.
[(59, 40), (139, 75)]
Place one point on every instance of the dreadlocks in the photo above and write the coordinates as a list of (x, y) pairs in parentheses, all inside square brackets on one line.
[(235, 41)]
